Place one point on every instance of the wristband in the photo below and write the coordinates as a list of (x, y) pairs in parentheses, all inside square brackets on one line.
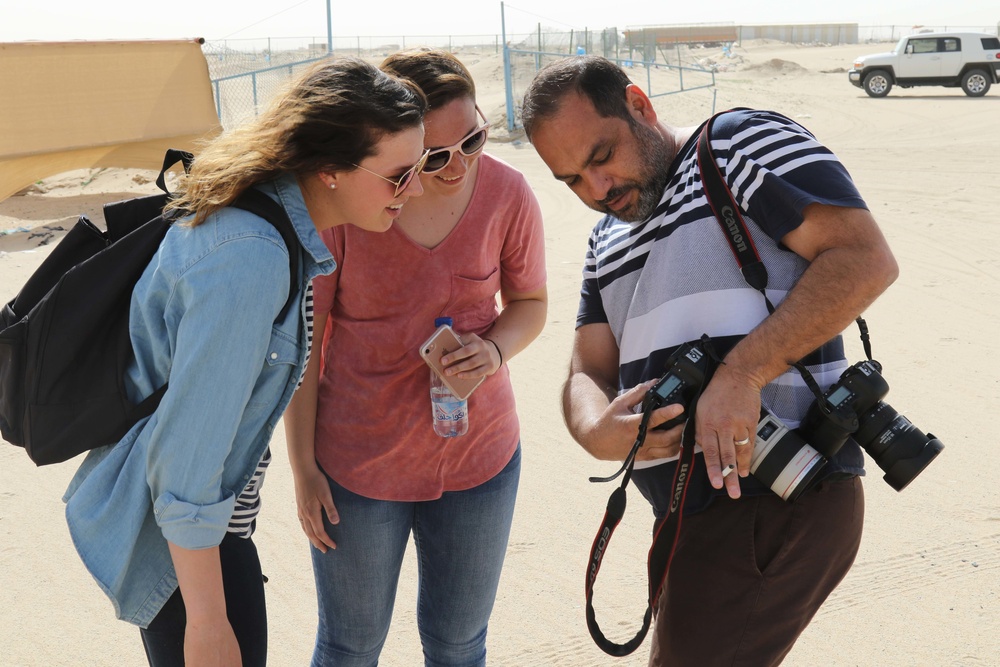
[(499, 353)]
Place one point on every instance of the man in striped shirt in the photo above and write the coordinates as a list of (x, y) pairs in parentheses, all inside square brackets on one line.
[(750, 570)]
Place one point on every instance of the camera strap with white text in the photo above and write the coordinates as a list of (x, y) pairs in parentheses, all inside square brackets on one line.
[(730, 218)]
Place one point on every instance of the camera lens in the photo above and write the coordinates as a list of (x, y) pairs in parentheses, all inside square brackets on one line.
[(782, 459), (899, 448)]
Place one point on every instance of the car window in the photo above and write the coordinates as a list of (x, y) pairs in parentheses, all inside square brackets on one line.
[(990, 43), (922, 46), (951, 44)]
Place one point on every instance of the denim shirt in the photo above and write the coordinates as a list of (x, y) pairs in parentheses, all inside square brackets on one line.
[(203, 316)]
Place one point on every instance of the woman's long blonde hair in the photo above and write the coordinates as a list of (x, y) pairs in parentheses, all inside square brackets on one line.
[(329, 119)]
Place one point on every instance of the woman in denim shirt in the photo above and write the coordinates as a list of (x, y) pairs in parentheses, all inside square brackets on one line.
[(149, 515)]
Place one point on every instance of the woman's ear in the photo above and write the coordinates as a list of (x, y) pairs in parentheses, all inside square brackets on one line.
[(329, 179)]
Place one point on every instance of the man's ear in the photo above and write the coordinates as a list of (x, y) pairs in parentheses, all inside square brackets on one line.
[(639, 105)]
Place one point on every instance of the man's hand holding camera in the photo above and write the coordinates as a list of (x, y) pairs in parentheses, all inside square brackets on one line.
[(659, 444), (612, 433)]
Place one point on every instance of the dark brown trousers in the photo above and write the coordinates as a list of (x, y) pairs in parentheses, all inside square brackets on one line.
[(748, 576)]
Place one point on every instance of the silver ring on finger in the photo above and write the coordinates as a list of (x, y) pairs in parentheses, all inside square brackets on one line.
[(742, 443)]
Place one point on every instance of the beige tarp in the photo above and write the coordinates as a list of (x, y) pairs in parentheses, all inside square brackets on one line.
[(75, 105)]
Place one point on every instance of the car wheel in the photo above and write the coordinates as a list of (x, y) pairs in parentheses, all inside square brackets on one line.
[(878, 83), (975, 83)]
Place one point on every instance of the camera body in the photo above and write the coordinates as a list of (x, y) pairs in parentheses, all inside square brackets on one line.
[(686, 369), (831, 422)]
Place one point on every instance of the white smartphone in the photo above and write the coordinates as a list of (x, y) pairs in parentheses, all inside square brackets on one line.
[(443, 341)]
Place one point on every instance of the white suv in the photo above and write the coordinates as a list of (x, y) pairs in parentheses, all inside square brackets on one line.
[(967, 59)]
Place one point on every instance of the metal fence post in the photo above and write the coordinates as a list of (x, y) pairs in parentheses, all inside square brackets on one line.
[(538, 56), (253, 83), (508, 84)]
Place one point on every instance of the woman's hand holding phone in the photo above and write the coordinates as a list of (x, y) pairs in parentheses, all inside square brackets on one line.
[(462, 367), (477, 358)]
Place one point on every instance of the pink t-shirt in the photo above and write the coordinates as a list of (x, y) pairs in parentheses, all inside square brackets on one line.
[(374, 433)]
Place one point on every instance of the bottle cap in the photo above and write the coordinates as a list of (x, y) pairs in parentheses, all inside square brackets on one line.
[(442, 320)]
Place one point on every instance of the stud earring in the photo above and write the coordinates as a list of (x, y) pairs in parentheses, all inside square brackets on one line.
[(333, 186)]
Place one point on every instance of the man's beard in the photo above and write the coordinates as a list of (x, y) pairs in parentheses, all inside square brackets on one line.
[(654, 163)]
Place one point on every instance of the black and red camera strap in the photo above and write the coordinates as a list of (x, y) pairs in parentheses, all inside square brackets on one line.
[(664, 544)]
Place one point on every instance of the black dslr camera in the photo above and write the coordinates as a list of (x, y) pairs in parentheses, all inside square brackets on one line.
[(787, 460), (854, 406)]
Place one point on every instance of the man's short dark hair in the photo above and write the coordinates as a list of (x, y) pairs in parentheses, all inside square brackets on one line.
[(600, 80)]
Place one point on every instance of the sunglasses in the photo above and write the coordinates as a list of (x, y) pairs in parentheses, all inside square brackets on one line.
[(403, 180), (472, 143)]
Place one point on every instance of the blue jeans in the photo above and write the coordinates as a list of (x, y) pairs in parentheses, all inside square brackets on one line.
[(461, 540)]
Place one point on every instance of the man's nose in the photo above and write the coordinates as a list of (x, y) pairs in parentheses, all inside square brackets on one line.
[(598, 183)]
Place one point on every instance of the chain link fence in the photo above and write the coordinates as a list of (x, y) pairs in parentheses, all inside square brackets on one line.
[(246, 73)]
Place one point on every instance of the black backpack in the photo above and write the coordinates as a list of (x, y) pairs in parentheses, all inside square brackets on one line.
[(64, 339)]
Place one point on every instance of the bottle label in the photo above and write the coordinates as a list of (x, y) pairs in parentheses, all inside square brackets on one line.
[(450, 411)]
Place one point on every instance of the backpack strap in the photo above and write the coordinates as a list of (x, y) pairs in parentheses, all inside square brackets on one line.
[(258, 203), (172, 157)]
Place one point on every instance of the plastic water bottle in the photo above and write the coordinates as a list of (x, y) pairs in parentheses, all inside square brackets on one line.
[(451, 414)]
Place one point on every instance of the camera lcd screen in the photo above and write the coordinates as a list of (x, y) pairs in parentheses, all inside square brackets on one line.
[(837, 397), (668, 386)]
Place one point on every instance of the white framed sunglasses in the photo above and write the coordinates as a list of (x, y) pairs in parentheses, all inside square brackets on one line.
[(469, 145)]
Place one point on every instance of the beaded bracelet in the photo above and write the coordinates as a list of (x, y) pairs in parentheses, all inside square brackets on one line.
[(499, 353)]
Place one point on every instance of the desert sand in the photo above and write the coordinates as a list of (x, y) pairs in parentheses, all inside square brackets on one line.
[(925, 589)]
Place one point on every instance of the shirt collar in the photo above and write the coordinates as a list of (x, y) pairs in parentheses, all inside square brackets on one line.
[(286, 187)]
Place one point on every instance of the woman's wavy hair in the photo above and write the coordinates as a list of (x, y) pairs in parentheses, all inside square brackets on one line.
[(328, 119), (441, 76)]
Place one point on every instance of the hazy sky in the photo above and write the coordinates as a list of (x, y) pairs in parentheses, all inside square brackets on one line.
[(233, 19)]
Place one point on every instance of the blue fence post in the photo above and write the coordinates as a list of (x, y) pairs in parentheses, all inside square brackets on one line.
[(507, 83)]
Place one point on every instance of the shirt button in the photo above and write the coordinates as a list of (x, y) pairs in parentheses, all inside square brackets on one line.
[(274, 355)]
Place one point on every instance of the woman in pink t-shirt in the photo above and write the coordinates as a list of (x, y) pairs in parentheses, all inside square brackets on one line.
[(361, 441)]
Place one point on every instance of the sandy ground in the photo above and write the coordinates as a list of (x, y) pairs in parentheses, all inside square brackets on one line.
[(925, 588)]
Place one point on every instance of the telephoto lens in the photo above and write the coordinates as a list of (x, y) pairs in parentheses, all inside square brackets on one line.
[(782, 459)]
